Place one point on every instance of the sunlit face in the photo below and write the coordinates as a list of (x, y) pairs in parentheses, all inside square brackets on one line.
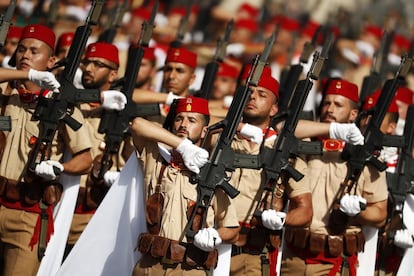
[(260, 107), (98, 73), (190, 125), (337, 108), (223, 86), (146, 72), (35, 54), (177, 78)]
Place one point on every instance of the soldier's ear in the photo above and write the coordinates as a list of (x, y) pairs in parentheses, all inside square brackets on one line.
[(273, 110), (353, 115), (51, 62)]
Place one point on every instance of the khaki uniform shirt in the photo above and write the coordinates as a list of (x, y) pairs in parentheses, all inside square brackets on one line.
[(17, 146), (178, 193), (326, 174), (249, 181)]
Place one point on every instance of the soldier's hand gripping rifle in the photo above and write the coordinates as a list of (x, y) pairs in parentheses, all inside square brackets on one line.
[(115, 124), (213, 175), (359, 156), (213, 66), (51, 112), (277, 161), (115, 21)]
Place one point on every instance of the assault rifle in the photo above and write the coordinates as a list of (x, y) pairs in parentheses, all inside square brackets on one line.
[(400, 184), (359, 156), (277, 161), (115, 124), (6, 22), (116, 20), (213, 66), (374, 80), (213, 174), (50, 112)]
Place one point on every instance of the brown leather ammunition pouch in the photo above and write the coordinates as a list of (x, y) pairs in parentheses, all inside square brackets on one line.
[(175, 252), (31, 193), (349, 244), (154, 208)]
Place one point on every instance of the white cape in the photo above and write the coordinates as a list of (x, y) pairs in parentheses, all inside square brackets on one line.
[(407, 264), (367, 258), (62, 215), (106, 247)]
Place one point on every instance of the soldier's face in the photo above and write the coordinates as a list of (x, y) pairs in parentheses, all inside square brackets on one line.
[(223, 86), (177, 78), (337, 108), (97, 73), (260, 107), (190, 125), (35, 54)]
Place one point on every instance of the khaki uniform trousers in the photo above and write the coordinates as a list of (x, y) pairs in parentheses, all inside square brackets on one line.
[(246, 264), (293, 265), (16, 230), (79, 223), (150, 266)]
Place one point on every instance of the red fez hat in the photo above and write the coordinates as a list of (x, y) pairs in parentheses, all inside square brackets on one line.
[(227, 70), (372, 100), (149, 53), (182, 10), (251, 10), (266, 79), (405, 95), (248, 24), (142, 13), (182, 55), (14, 32), (65, 39), (248, 67), (103, 50), (374, 30), (402, 42), (192, 104), (39, 32), (286, 23), (343, 88), (310, 28)]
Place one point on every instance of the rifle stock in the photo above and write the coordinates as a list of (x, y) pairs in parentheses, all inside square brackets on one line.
[(108, 35), (213, 174)]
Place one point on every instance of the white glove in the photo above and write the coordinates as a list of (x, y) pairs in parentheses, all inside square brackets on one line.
[(403, 238), (171, 97), (235, 49), (113, 100), (110, 177), (44, 79), (273, 220), (45, 169), (253, 133), (194, 157), (351, 204), (207, 239), (77, 12), (349, 133), (365, 48), (227, 101)]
